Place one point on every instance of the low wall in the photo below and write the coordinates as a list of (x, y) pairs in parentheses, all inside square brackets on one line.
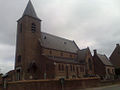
[(0, 85), (53, 84)]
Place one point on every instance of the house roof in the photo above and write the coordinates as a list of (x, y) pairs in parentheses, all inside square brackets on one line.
[(104, 59), (58, 43), (115, 56), (30, 11), (82, 54)]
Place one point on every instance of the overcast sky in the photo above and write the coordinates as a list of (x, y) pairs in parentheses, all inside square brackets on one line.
[(93, 23)]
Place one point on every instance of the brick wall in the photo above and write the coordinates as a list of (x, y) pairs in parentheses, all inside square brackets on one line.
[(52, 84), (76, 72), (57, 53)]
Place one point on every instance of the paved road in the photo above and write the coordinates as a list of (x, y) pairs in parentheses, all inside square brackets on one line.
[(112, 87)]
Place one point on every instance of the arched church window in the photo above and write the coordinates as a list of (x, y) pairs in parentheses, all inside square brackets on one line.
[(47, 67), (32, 67), (59, 67), (21, 27), (71, 67), (19, 58), (61, 53), (90, 64), (62, 67), (33, 27)]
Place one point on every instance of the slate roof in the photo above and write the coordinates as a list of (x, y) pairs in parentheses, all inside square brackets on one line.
[(82, 54), (30, 11), (104, 59), (58, 43)]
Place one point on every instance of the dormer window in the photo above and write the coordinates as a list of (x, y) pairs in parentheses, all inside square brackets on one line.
[(65, 42), (33, 27), (45, 37)]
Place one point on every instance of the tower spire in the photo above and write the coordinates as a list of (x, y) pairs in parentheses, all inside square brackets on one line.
[(30, 11)]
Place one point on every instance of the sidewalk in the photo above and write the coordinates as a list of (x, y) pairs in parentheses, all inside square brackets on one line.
[(111, 87)]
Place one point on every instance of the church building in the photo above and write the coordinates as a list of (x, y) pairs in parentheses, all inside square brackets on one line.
[(40, 55)]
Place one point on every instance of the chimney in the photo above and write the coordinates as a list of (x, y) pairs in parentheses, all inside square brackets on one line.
[(95, 52), (117, 45)]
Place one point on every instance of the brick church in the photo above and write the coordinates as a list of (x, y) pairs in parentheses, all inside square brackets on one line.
[(40, 55)]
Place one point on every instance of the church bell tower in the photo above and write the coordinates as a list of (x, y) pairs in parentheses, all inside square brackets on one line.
[(27, 44)]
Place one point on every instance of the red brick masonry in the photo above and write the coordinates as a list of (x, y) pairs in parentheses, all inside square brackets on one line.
[(52, 84)]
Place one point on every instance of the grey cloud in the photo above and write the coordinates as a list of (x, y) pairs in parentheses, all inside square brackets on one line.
[(93, 23)]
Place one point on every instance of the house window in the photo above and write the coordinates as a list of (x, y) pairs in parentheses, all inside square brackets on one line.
[(108, 70), (33, 27), (19, 58), (47, 67), (112, 70), (21, 27), (81, 69)]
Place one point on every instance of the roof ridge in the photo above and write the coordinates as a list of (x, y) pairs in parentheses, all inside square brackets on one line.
[(105, 60)]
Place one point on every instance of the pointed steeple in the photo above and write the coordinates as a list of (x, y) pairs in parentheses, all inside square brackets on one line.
[(30, 11)]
